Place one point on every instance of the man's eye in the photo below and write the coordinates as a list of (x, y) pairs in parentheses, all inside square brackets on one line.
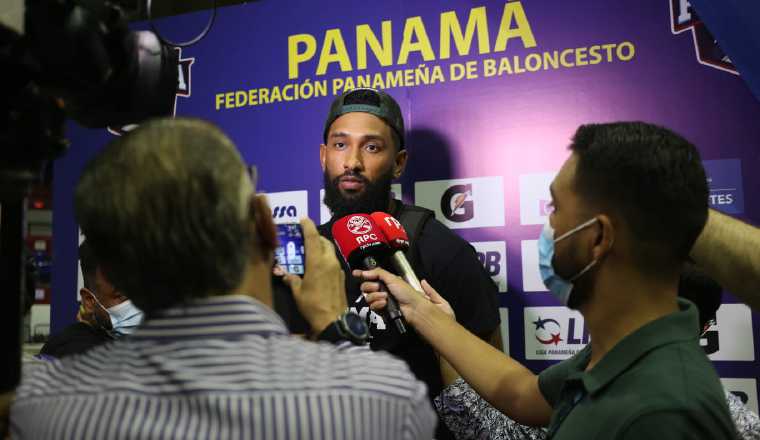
[(340, 145), (372, 148)]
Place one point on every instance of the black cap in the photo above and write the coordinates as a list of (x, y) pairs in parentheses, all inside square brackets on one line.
[(367, 100)]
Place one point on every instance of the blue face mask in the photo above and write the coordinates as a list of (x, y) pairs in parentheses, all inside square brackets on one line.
[(558, 286), (125, 317)]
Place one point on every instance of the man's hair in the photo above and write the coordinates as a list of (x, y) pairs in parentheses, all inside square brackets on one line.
[(166, 211), (696, 286), (370, 97), (89, 265), (652, 178)]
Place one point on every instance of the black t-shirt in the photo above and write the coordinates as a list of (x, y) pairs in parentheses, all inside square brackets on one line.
[(74, 339), (450, 264)]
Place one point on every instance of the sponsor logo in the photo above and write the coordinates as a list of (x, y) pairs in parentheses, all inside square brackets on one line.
[(553, 333), (324, 211), (530, 274), (535, 198), (456, 203), (731, 338), (744, 389), (288, 206), (493, 257), (183, 90), (282, 211), (464, 203), (724, 177), (683, 17)]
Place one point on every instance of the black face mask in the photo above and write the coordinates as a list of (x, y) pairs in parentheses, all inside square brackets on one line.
[(375, 197)]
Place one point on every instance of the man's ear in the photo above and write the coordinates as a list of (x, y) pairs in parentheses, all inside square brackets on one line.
[(605, 237), (88, 302), (399, 164), (322, 156), (264, 227)]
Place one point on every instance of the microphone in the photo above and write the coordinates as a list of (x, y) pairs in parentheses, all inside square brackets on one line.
[(362, 243), (398, 240)]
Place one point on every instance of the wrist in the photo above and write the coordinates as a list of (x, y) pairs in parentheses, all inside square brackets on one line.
[(348, 327), (320, 323), (425, 314)]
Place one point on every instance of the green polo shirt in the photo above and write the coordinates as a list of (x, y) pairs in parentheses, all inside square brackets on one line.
[(656, 383)]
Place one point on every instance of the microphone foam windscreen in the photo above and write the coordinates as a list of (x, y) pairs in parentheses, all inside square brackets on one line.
[(394, 232), (356, 235)]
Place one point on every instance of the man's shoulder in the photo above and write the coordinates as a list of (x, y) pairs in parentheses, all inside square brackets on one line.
[(434, 232), (275, 363), (357, 368), (76, 338)]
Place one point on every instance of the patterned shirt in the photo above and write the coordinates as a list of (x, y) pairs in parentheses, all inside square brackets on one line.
[(469, 416), (224, 367)]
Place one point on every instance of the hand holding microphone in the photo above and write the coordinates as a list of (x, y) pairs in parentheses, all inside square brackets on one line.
[(363, 246), (380, 285)]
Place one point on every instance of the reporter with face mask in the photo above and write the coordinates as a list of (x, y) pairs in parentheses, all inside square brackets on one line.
[(613, 251), (105, 314)]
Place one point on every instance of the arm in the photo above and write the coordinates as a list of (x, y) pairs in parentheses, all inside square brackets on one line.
[(469, 416), (502, 381), (729, 251), (321, 294)]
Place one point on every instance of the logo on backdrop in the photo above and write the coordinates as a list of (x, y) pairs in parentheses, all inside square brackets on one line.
[(288, 206), (683, 17), (731, 338), (456, 203), (724, 177), (553, 333), (493, 257), (324, 211), (183, 90), (547, 331), (463, 203), (535, 198)]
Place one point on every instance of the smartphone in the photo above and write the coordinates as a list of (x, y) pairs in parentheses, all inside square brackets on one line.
[(290, 254)]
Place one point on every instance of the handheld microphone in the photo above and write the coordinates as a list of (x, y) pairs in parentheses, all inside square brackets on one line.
[(398, 240), (362, 244)]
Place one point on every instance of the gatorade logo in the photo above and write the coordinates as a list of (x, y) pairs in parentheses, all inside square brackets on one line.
[(463, 203), (456, 203)]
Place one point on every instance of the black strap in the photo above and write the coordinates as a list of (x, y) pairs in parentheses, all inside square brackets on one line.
[(413, 219)]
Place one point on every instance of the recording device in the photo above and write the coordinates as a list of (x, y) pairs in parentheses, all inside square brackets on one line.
[(396, 236), (77, 59), (290, 254), (363, 246)]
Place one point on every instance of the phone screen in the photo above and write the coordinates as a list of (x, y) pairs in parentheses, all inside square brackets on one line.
[(290, 253)]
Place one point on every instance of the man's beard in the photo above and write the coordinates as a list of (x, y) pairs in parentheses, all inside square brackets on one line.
[(375, 196)]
